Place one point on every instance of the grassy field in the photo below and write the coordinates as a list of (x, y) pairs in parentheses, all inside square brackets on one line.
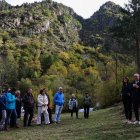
[(106, 124)]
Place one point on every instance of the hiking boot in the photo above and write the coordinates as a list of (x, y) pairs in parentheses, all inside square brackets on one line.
[(129, 122)]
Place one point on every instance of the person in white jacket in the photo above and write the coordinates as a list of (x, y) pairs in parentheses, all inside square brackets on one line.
[(42, 104)]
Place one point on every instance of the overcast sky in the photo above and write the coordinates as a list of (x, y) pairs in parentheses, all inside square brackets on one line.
[(85, 8)]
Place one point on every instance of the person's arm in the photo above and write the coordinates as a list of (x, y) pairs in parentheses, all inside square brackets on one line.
[(76, 102), (138, 85), (10, 99), (55, 98), (39, 100)]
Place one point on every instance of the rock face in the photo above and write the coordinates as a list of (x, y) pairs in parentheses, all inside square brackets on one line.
[(4, 5), (59, 24)]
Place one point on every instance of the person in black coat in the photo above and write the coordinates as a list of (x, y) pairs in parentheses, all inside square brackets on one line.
[(49, 108), (87, 104), (127, 99), (29, 103), (135, 89)]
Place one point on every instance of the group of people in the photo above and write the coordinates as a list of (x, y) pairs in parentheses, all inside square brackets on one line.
[(73, 105), (131, 98), (11, 103)]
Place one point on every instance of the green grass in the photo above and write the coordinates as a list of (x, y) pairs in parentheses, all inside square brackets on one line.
[(104, 124)]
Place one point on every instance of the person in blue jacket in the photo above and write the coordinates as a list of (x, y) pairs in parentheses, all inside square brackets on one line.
[(11, 108), (59, 102)]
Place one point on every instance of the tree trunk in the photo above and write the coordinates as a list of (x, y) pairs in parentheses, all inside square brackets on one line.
[(138, 54)]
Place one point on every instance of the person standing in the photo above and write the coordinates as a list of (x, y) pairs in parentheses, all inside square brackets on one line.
[(87, 104), (18, 104), (127, 100), (73, 105), (59, 102), (42, 104), (135, 87), (49, 109), (11, 109), (2, 110), (29, 102)]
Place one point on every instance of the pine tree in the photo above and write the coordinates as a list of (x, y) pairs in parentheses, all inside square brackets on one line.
[(129, 28)]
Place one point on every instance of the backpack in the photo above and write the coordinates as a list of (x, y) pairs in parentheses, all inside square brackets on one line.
[(87, 101), (74, 103)]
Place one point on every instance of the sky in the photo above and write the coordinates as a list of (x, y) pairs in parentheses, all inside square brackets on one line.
[(84, 8)]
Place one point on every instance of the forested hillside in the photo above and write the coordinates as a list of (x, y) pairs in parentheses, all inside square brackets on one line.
[(48, 45)]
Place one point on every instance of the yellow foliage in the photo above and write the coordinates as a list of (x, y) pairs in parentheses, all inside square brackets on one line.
[(64, 56), (91, 71), (58, 69), (73, 68)]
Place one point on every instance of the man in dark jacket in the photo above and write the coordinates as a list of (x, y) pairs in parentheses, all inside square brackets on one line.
[(87, 104), (135, 89), (29, 102)]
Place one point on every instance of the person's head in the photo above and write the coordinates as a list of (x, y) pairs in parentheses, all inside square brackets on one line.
[(43, 91), (86, 94), (125, 80), (13, 90), (61, 89), (18, 93), (30, 91), (73, 95), (136, 77), (3, 90)]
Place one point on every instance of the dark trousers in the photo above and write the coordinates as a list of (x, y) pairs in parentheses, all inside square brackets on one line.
[(0, 115), (11, 117), (127, 102), (26, 119), (76, 111), (136, 105), (50, 115), (18, 113), (86, 112)]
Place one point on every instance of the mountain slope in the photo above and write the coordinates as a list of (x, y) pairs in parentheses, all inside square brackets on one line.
[(47, 44), (4, 5), (58, 23), (95, 29)]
